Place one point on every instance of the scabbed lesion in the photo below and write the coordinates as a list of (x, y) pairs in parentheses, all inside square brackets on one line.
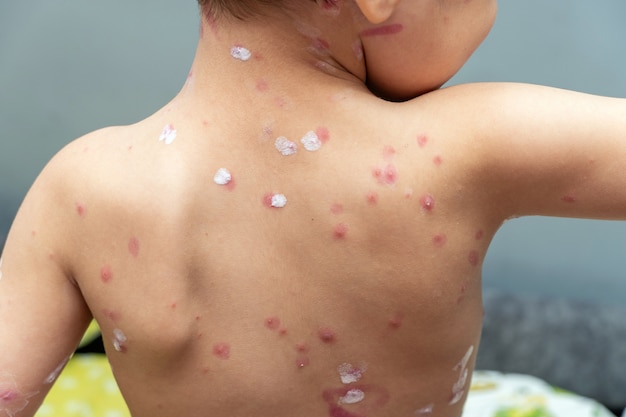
[(12, 399)]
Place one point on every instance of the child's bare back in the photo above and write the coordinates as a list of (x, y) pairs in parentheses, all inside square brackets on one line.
[(250, 280), (280, 242)]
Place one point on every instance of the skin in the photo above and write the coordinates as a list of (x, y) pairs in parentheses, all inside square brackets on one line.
[(374, 260)]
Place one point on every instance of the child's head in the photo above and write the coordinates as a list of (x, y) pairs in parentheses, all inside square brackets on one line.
[(405, 47)]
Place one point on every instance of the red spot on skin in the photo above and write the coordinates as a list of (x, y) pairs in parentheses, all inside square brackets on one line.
[(335, 411), (396, 321), (302, 347), (106, 275), (190, 75), (330, 4), (283, 331), (568, 199), (388, 152), (262, 86), (33, 233), (372, 198), (173, 305), (213, 26), (231, 184), (198, 318), (422, 140), (388, 175), (322, 134), (319, 43), (336, 208), (473, 257), (272, 323), (280, 102), (479, 235), (80, 209), (133, 247), (302, 361), (340, 231), (428, 202), (267, 200), (382, 30), (326, 335), (440, 240), (8, 396), (257, 56), (463, 291), (221, 350), (437, 160), (112, 315)]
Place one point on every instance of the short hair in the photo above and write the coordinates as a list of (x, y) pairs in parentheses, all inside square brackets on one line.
[(235, 8), (241, 9)]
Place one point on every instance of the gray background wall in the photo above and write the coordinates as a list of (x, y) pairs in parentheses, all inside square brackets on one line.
[(71, 66)]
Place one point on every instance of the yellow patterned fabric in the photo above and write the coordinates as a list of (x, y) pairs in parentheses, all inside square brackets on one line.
[(494, 394), (92, 332), (85, 388)]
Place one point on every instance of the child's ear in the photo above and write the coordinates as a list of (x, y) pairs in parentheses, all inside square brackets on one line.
[(377, 11)]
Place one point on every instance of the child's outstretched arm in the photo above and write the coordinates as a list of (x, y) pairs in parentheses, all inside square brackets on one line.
[(42, 312), (531, 150)]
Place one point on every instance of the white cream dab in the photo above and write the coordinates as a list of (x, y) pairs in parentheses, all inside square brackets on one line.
[(240, 53), (350, 374), (57, 371), (279, 200), (222, 177), (458, 389), (425, 410), (168, 135), (357, 48), (285, 146), (311, 142), (119, 340), (352, 397)]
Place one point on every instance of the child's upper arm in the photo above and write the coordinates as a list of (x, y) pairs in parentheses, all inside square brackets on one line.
[(543, 151), (42, 312)]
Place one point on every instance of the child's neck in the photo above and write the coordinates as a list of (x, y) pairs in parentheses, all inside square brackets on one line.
[(286, 53)]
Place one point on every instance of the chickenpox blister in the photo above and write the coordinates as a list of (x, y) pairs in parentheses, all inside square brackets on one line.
[(222, 177), (285, 146), (168, 134), (12, 400), (353, 396), (240, 53), (311, 141), (278, 201), (350, 374), (119, 340)]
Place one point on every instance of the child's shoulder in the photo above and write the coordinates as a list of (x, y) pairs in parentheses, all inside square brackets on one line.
[(94, 167)]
